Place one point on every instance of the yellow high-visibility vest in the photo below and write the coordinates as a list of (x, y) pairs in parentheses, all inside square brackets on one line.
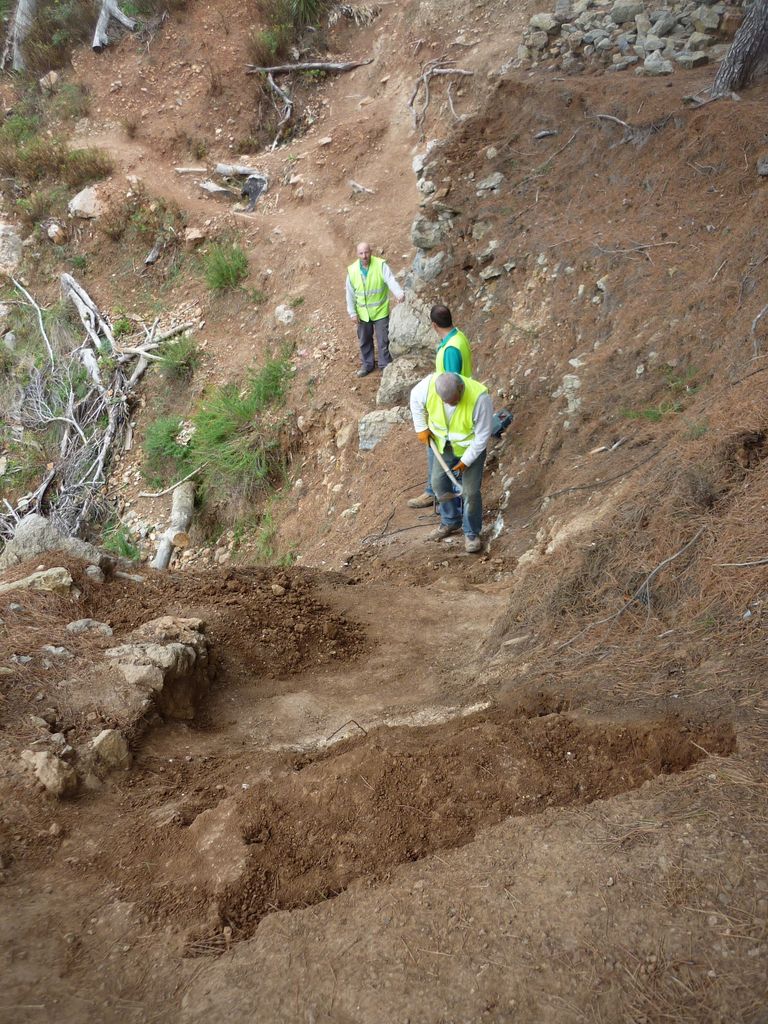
[(460, 341), (371, 292), (460, 432)]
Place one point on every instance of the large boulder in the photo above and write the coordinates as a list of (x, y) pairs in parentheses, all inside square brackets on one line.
[(428, 268), (410, 332), (35, 534), (375, 426), (397, 379), (625, 10)]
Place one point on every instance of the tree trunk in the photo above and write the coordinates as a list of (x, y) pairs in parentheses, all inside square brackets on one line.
[(23, 17), (109, 10), (747, 58), (181, 518)]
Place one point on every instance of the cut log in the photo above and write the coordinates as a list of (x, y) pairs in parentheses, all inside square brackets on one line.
[(109, 10), (176, 536)]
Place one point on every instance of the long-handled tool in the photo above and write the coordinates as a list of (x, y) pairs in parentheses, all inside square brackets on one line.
[(457, 485)]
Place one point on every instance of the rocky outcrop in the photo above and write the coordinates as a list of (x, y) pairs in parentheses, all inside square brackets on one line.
[(410, 332), (397, 379), (375, 426), (35, 534), (10, 249)]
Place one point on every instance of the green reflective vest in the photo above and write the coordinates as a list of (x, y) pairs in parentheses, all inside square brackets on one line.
[(461, 342), (371, 292), (461, 430)]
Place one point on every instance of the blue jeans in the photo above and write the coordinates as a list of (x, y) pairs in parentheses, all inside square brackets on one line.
[(472, 519)]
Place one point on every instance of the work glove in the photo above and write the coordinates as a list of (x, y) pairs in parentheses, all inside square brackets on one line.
[(459, 468), (425, 436)]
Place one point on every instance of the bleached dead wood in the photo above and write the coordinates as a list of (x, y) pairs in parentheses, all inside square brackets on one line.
[(285, 114), (18, 31), (93, 420), (109, 10), (238, 171), (433, 68), (176, 536), (336, 67)]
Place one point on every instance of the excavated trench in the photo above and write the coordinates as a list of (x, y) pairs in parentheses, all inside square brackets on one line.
[(318, 822)]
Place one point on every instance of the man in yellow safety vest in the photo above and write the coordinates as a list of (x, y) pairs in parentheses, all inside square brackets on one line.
[(369, 282), (455, 413), (453, 356)]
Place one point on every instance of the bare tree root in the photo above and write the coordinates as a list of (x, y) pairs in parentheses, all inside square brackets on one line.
[(432, 69)]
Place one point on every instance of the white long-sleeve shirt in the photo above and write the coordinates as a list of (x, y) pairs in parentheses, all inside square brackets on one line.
[(389, 280), (482, 418)]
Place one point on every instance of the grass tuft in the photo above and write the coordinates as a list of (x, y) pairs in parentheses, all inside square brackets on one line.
[(180, 358), (225, 265)]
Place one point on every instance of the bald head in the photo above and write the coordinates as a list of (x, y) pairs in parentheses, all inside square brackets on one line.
[(450, 387), (364, 252)]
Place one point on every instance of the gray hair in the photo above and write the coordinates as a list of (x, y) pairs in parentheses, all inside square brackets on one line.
[(450, 387)]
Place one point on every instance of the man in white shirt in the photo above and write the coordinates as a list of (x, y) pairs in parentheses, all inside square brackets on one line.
[(369, 282), (455, 413)]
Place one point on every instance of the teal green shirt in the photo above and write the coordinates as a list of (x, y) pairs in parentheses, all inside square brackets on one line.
[(452, 358)]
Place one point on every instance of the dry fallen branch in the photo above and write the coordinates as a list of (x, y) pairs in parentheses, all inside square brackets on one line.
[(93, 419), (643, 592), (432, 69), (109, 10), (337, 67), (167, 490), (177, 535), (755, 322), (285, 114), (742, 565)]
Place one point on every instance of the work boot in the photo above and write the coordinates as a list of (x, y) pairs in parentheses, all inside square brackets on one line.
[(442, 532), (362, 372), (472, 544), (425, 500)]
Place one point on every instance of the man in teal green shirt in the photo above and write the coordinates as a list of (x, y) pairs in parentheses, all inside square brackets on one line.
[(453, 356)]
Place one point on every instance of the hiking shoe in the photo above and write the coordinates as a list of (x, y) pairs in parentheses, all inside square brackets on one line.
[(472, 544), (442, 532), (424, 500), (362, 372)]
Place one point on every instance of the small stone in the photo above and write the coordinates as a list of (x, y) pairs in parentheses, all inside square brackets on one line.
[(56, 652), (193, 237), (277, 590), (625, 10), (49, 83), (698, 41), (545, 22), (427, 234), (89, 625), (706, 19), (284, 315), (58, 778), (110, 749), (490, 273), (348, 513), (762, 166), (326, 141), (691, 60), (56, 233), (94, 573), (655, 64), (490, 184), (86, 204)]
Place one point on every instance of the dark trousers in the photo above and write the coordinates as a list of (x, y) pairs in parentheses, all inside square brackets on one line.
[(451, 512), (365, 332)]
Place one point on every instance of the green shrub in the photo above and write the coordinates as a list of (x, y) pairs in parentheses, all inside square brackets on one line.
[(165, 458), (180, 358), (226, 265), (41, 158), (122, 326), (56, 30), (117, 538), (82, 166), (71, 102), (42, 203)]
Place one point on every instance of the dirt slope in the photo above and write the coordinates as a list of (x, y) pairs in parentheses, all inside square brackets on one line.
[(528, 786)]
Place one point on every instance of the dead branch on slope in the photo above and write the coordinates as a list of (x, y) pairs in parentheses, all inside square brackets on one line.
[(109, 9), (86, 394), (643, 592), (432, 69), (337, 67)]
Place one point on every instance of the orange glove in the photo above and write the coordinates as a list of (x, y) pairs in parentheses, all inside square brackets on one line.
[(458, 468), (425, 436)]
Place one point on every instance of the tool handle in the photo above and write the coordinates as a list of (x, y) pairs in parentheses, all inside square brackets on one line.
[(454, 480)]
